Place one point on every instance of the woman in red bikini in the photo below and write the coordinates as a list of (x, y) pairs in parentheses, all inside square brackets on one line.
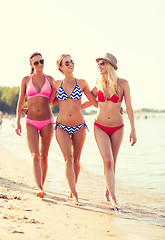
[(109, 126), (39, 122)]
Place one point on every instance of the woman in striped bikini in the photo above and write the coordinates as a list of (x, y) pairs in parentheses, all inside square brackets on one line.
[(109, 126), (70, 126)]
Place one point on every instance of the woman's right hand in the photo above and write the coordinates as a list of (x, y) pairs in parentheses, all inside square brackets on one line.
[(18, 129), (121, 111), (25, 111)]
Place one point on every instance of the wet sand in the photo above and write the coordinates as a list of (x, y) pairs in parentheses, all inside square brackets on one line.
[(24, 216)]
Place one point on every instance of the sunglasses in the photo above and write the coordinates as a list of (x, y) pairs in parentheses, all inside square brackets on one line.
[(101, 63), (67, 63), (36, 63)]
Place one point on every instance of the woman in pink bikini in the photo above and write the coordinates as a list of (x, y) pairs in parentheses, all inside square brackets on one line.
[(108, 125), (39, 122)]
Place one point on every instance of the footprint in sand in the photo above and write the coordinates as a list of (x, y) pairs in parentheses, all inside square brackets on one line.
[(18, 198), (4, 196), (34, 221), (28, 210), (15, 231)]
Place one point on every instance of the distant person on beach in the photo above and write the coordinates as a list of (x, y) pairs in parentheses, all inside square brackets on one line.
[(70, 125), (39, 122), (109, 125)]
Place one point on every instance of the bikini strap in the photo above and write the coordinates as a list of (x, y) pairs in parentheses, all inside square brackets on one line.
[(86, 127), (46, 77), (31, 75), (61, 83), (56, 125)]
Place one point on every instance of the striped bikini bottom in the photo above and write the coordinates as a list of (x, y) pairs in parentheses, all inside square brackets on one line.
[(70, 130)]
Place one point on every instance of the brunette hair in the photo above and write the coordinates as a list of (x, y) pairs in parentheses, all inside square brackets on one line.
[(59, 61), (30, 58)]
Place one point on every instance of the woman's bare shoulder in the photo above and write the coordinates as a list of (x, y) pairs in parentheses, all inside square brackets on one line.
[(122, 82), (80, 80), (57, 83), (26, 79), (50, 78)]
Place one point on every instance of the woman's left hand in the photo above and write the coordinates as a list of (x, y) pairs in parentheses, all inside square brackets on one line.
[(132, 137)]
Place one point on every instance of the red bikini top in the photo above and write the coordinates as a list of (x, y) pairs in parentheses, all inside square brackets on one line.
[(113, 99)]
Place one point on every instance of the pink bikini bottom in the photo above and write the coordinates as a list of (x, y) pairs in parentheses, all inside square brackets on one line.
[(39, 124), (108, 130)]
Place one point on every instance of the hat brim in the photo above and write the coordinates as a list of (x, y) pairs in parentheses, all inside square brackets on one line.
[(107, 60)]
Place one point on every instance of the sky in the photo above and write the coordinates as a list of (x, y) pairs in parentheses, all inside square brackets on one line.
[(132, 30)]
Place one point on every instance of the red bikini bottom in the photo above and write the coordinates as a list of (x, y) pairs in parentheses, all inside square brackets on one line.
[(108, 130)]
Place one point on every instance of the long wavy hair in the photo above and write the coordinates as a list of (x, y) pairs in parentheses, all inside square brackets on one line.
[(103, 81)]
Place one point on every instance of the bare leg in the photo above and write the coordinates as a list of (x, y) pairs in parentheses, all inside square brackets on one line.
[(65, 143), (46, 136), (33, 144), (78, 142), (116, 140), (104, 145)]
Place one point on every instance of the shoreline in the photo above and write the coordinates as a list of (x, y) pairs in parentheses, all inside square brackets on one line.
[(24, 216), (147, 174)]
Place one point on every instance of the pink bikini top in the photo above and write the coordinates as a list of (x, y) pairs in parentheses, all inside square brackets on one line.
[(46, 89), (113, 99)]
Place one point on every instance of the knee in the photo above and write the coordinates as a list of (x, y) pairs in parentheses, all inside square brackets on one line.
[(76, 160), (44, 157), (68, 160), (35, 156), (108, 164)]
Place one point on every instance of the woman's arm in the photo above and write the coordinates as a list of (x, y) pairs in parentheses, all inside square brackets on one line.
[(129, 109), (91, 95), (56, 86), (20, 105), (55, 101), (54, 91), (86, 105)]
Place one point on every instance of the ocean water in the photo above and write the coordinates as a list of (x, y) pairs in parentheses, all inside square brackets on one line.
[(140, 170)]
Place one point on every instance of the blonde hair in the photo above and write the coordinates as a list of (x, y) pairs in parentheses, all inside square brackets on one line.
[(111, 79), (59, 61)]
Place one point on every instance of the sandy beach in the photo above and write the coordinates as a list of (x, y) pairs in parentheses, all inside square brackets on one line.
[(24, 216)]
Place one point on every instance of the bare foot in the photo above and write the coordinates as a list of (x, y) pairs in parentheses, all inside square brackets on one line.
[(114, 206), (40, 194), (75, 201)]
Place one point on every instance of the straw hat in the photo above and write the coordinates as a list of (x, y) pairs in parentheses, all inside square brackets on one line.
[(110, 59)]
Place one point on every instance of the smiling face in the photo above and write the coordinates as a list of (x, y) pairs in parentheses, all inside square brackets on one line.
[(102, 66), (37, 62), (67, 65)]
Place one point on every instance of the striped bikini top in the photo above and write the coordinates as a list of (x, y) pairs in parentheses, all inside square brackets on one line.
[(76, 93), (46, 89)]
